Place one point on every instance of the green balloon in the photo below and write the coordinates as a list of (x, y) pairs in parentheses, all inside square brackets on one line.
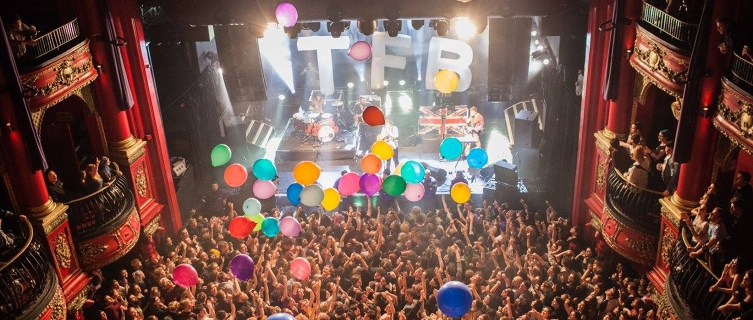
[(258, 218), (394, 185), (221, 155)]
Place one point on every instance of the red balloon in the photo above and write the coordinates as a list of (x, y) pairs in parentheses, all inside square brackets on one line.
[(235, 175), (185, 275), (241, 227), (373, 116), (300, 268)]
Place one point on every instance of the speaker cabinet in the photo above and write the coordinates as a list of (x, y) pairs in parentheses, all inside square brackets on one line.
[(525, 131), (506, 173), (258, 133), (509, 41)]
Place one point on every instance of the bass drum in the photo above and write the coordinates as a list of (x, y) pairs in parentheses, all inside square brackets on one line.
[(325, 130), (301, 123)]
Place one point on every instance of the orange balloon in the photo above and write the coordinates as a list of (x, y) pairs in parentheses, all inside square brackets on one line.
[(373, 116), (371, 164)]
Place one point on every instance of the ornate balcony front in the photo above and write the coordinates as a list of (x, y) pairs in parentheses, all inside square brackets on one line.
[(28, 283), (105, 225), (48, 77), (734, 118), (687, 290), (631, 221)]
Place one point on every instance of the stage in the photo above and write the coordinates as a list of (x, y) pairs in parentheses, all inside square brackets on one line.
[(296, 146)]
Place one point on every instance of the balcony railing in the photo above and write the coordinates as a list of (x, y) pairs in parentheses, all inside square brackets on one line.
[(90, 215), (632, 202), (53, 40), (676, 29), (691, 279), (742, 72), (24, 270)]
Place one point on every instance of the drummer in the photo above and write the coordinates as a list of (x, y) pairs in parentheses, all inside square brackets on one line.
[(317, 105)]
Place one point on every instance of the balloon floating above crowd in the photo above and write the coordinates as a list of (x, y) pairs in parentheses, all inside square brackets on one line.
[(185, 275), (300, 268), (412, 171), (360, 51), (235, 175), (312, 195), (371, 164), (382, 149), (331, 199), (294, 193), (414, 192), (242, 267), (290, 227), (373, 116), (306, 172), (454, 299), (349, 184), (446, 81), (221, 155), (451, 148), (270, 227), (241, 227), (264, 169), (477, 158), (251, 207), (286, 14), (264, 189), (370, 184), (394, 185), (460, 192), (281, 316)]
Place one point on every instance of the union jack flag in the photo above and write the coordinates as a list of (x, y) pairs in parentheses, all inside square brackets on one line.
[(454, 122)]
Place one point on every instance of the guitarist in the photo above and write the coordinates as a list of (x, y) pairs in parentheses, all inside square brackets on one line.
[(476, 125), (390, 134)]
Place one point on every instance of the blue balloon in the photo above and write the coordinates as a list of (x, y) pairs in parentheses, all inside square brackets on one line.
[(454, 299), (281, 316), (294, 193), (270, 227), (451, 148), (477, 158), (264, 169), (412, 172)]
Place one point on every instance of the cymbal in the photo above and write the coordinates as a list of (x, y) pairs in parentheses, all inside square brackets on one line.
[(337, 103)]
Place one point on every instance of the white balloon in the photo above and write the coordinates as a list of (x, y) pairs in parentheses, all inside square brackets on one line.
[(312, 195)]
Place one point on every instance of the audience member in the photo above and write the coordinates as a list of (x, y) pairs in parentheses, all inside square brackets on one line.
[(54, 186), (638, 172), (619, 155), (21, 35)]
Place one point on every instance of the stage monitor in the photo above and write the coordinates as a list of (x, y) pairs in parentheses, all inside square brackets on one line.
[(525, 132), (505, 172)]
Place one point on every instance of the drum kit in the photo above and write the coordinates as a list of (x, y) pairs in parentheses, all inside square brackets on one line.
[(314, 125)]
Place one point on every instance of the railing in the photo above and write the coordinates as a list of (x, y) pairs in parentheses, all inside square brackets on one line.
[(692, 278), (89, 214), (742, 72), (53, 40), (23, 274), (673, 27), (632, 202)]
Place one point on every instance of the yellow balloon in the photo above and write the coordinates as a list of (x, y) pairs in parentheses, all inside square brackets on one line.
[(331, 199), (460, 193), (383, 150), (446, 81), (306, 172), (398, 169)]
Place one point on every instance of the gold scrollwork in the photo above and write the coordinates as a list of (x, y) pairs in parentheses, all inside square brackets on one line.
[(62, 250), (667, 241), (601, 174), (67, 74), (151, 228), (78, 301), (654, 59), (91, 252), (141, 181), (643, 247)]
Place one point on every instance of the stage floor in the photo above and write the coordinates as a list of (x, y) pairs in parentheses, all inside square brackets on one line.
[(296, 146)]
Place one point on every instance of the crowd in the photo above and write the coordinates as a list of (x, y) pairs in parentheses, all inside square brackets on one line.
[(643, 166), (97, 175), (382, 263)]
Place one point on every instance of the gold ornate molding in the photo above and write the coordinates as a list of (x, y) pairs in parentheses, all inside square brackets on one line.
[(667, 242), (676, 107), (50, 214), (602, 141), (595, 221), (77, 303), (151, 228), (57, 304), (62, 250), (126, 152), (140, 177), (664, 308), (90, 252), (66, 74), (601, 174)]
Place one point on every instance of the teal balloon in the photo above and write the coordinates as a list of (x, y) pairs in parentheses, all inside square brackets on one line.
[(394, 185), (264, 169), (412, 172), (477, 158), (451, 148), (221, 155), (294, 193), (251, 206), (270, 227)]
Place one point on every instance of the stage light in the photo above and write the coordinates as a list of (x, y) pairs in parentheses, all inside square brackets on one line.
[(313, 26), (393, 27), (536, 42), (540, 48), (546, 61), (351, 85), (271, 28), (417, 24), (281, 97), (534, 33), (367, 27), (405, 102), (463, 27), (402, 82), (293, 31), (419, 78), (363, 79), (386, 83), (336, 28), (441, 26), (219, 70)]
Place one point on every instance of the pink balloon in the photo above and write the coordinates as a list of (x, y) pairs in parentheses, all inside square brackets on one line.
[(300, 268), (290, 227), (264, 189), (286, 14), (414, 192), (360, 51), (370, 184), (185, 275), (349, 184)]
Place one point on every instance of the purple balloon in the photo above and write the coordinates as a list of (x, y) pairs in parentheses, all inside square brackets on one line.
[(242, 267), (370, 184), (290, 227), (286, 14), (360, 51)]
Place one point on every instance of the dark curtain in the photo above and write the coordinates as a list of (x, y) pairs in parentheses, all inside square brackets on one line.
[(121, 87), (611, 81)]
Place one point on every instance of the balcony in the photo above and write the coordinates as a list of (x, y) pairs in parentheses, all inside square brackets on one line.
[(674, 31), (631, 221), (104, 224), (689, 281), (51, 42), (741, 73), (734, 118), (27, 280)]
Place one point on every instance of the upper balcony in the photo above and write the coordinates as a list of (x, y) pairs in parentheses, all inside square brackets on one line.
[(105, 225), (662, 49), (734, 118), (28, 282), (687, 290), (631, 221), (57, 65)]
